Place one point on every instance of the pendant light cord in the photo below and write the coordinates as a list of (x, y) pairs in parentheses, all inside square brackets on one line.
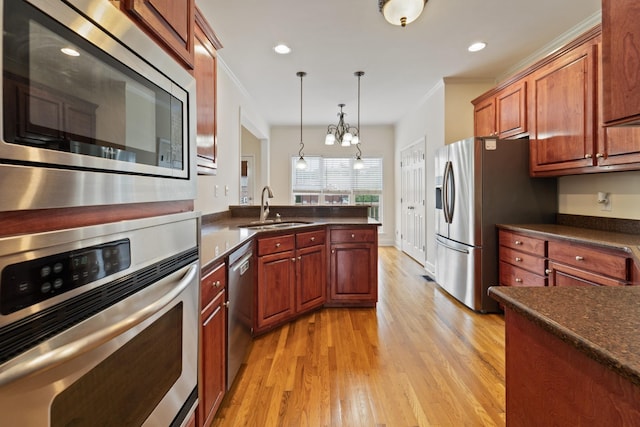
[(359, 74), (301, 74)]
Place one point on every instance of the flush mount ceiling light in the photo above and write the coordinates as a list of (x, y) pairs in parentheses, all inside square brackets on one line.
[(475, 47), (301, 163), (401, 12), (282, 49)]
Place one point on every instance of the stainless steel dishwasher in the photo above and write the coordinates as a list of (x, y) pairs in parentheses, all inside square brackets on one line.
[(240, 319)]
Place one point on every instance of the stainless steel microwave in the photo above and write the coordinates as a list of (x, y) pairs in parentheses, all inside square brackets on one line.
[(93, 111)]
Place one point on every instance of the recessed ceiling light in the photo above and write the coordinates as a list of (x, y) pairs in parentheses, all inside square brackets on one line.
[(69, 51), (282, 49), (477, 46)]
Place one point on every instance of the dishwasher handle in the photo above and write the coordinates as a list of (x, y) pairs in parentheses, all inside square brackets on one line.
[(242, 264)]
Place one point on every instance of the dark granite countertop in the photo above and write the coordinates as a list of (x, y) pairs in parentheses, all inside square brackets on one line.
[(610, 239), (221, 234), (602, 322)]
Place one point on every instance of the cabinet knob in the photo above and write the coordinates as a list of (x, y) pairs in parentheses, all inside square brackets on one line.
[(299, 258), (547, 271), (333, 251), (599, 155), (518, 259), (587, 156), (293, 259), (518, 242), (226, 304), (216, 284), (313, 239), (579, 258), (518, 280), (278, 245), (353, 236)]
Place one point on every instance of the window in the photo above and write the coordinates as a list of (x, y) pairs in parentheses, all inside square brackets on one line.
[(333, 181)]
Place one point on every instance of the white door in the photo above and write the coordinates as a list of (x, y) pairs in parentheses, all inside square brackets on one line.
[(413, 221)]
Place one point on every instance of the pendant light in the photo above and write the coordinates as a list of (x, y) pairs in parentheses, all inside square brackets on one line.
[(301, 163), (358, 163)]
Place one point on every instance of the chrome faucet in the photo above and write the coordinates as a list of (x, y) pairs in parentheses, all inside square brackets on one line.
[(264, 204)]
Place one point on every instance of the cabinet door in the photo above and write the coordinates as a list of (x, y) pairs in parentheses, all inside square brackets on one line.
[(311, 277), (484, 116), (620, 146), (511, 110), (205, 72), (213, 358), (276, 288), (621, 60), (562, 113), (169, 21), (353, 273)]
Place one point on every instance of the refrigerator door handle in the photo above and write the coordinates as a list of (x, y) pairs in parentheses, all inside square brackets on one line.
[(447, 191), (453, 248)]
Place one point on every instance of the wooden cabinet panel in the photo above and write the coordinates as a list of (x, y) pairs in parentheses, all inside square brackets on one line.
[(620, 146), (484, 118), (213, 349), (523, 242), (169, 21), (353, 272), (590, 259), (564, 275), (205, 72), (621, 61), (310, 238), (311, 277), (353, 235), (272, 245), (276, 288), (511, 275), (523, 260), (511, 110), (562, 112)]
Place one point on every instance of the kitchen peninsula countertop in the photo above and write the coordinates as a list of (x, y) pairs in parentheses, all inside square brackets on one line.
[(221, 234), (601, 322)]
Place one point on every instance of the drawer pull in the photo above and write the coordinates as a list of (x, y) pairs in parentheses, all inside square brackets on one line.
[(313, 239), (518, 280), (353, 236), (518, 259), (293, 259), (587, 156), (278, 245), (599, 155), (548, 271), (518, 242), (216, 284), (579, 258), (226, 304)]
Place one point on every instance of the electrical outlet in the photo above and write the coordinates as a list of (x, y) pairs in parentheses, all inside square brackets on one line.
[(606, 206)]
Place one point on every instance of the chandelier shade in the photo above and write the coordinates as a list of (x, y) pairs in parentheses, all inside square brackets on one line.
[(401, 12)]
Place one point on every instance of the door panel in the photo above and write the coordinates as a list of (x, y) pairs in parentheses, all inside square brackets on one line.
[(465, 165)]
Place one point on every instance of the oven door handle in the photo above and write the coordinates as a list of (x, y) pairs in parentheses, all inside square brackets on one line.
[(74, 349)]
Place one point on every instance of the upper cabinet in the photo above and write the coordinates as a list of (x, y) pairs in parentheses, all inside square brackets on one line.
[(170, 22), (562, 110), (502, 112), (621, 61), (205, 71)]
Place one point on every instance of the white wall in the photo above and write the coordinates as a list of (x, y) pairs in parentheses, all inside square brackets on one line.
[(235, 111), (251, 146), (444, 116), (578, 194), (377, 141)]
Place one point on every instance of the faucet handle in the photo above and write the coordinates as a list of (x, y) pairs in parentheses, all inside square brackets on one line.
[(278, 217)]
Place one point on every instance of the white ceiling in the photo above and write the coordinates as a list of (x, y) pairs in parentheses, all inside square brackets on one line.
[(331, 39)]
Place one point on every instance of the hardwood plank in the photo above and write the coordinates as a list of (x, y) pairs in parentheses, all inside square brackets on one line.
[(419, 359)]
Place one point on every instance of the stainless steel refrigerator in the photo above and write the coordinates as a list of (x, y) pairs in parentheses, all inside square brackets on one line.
[(481, 182)]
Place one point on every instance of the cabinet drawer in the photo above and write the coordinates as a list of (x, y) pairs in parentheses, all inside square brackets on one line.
[(353, 235), (591, 259), (212, 283), (272, 245), (310, 238), (521, 242), (524, 260), (564, 275), (511, 275)]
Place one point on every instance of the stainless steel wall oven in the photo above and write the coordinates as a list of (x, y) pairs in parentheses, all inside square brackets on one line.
[(93, 111), (99, 325)]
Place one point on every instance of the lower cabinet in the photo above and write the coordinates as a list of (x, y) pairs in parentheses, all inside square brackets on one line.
[(527, 260), (353, 272), (213, 352)]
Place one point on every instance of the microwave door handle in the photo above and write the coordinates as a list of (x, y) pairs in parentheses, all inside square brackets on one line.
[(76, 348)]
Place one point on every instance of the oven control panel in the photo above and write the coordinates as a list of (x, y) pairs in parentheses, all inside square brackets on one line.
[(29, 282)]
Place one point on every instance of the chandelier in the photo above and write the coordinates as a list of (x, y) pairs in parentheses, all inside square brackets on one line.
[(401, 12), (342, 133)]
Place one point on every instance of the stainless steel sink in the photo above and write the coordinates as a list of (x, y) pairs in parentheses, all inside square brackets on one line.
[(273, 225)]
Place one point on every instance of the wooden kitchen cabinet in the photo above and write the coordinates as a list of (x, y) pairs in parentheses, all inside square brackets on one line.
[(502, 114), (353, 272), (205, 72), (522, 259), (621, 61), (169, 22), (213, 349), (311, 270), (577, 264), (562, 111)]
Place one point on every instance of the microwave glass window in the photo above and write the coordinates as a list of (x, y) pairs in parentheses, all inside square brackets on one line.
[(63, 93)]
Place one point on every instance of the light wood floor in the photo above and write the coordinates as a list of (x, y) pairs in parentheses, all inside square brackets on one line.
[(418, 359)]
